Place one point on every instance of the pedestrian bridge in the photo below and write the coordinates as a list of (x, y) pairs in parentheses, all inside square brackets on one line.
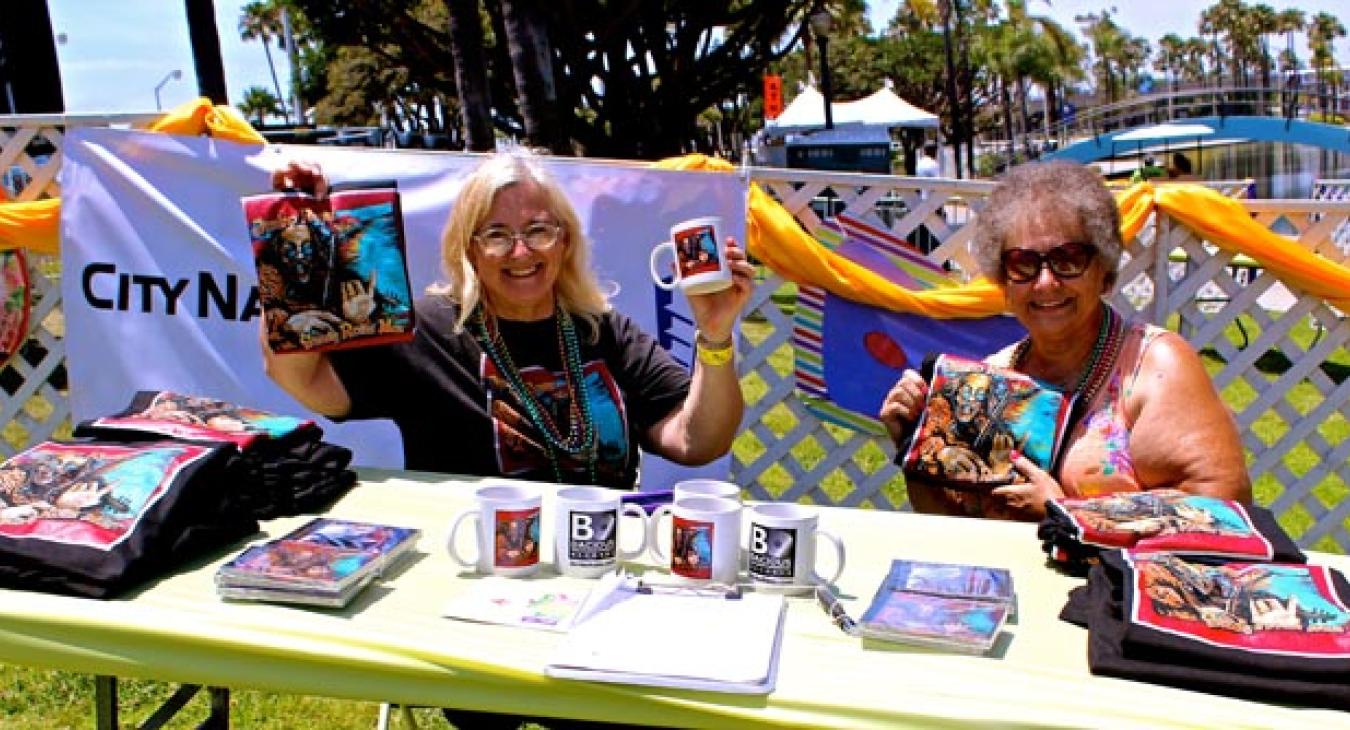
[(1231, 128)]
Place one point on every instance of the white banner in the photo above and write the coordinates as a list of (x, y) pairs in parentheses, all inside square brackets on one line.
[(160, 290)]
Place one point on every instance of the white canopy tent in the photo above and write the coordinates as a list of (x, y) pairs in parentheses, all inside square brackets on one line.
[(883, 108)]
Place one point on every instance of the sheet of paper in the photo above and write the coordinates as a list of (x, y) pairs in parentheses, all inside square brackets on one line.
[(529, 604)]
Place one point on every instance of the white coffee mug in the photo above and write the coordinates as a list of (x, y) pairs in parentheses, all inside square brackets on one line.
[(706, 488), (705, 535), (506, 521), (700, 257), (586, 535), (782, 547)]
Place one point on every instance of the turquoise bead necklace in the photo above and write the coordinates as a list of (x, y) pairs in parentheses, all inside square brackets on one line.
[(580, 439)]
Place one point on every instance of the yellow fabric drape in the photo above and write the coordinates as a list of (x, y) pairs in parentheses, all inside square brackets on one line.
[(35, 225), (776, 238), (32, 225)]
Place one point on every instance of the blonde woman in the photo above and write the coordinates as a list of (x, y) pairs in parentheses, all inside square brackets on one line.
[(519, 366)]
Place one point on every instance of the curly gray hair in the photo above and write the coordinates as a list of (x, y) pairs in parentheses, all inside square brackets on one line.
[(1056, 190)]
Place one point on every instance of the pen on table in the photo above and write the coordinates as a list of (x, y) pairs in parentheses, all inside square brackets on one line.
[(830, 602)]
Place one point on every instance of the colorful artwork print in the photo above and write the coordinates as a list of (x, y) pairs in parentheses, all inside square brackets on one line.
[(1167, 521), (944, 579), (696, 249), (691, 548), (1262, 607), (348, 535), (81, 494), (516, 541), (521, 449), (295, 561), (203, 419), (15, 303), (976, 416), (332, 272), (921, 616)]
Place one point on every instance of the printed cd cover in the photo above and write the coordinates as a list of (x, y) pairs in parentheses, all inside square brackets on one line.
[(975, 417), (332, 273)]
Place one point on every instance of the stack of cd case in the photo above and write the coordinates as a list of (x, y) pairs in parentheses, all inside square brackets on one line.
[(324, 563), (944, 605)]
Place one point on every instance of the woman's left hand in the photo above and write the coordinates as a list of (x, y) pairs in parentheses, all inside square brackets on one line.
[(715, 313), (1026, 500)]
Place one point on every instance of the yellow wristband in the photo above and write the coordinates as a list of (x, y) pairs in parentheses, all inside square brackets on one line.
[(715, 355)]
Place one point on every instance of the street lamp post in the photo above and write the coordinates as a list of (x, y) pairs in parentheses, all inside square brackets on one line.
[(171, 76), (821, 23)]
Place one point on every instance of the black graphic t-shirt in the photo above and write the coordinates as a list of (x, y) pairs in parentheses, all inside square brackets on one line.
[(457, 413)]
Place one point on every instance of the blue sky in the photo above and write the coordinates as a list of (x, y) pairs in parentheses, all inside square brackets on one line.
[(115, 53)]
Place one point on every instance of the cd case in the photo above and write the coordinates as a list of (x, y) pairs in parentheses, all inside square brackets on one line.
[(945, 605), (975, 417), (332, 272), (325, 562)]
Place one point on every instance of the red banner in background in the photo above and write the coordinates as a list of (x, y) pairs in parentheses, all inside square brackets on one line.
[(773, 96)]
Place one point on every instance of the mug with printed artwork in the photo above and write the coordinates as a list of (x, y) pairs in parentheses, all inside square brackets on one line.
[(700, 257), (704, 537), (506, 521)]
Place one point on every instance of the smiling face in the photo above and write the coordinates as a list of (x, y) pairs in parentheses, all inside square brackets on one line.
[(1050, 306), (519, 285)]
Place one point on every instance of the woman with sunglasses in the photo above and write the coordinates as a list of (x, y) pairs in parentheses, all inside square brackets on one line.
[(1149, 415), (519, 367)]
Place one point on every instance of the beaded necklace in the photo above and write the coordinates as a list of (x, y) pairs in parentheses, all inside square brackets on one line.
[(1100, 364), (580, 440)]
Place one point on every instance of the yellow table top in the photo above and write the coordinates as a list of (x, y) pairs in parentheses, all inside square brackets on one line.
[(392, 643)]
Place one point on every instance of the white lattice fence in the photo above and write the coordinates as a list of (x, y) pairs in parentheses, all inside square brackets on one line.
[(1291, 371), (1290, 377)]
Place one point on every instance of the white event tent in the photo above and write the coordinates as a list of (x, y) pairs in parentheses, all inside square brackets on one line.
[(883, 108)]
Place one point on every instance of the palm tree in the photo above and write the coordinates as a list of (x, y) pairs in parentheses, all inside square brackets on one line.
[(1323, 31), (1289, 22), (1171, 57), (261, 20), (471, 78), (205, 41), (259, 103), (1264, 22)]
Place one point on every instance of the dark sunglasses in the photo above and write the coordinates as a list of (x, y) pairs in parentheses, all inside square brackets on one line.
[(1066, 261)]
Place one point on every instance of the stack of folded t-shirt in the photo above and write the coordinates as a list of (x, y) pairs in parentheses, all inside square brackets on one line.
[(95, 518), (280, 465), (1075, 531), (1269, 631)]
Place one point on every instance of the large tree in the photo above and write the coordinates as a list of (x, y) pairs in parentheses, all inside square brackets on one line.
[(30, 78), (629, 78)]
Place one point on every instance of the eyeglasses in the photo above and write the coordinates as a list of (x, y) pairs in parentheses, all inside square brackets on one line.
[(500, 240), (1066, 261)]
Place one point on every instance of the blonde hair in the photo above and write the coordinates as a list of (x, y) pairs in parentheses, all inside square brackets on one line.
[(577, 291)]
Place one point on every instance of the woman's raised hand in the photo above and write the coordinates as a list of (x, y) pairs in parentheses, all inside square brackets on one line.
[(715, 313), (301, 175)]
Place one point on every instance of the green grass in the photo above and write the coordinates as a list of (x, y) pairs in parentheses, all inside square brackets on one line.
[(33, 698)]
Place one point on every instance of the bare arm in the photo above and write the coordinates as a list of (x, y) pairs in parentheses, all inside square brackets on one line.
[(309, 378), (1184, 436), (703, 427)]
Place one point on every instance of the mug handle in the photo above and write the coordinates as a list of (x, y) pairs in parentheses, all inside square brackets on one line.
[(641, 514), (656, 274), (653, 530), (454, 530), (838, 554)]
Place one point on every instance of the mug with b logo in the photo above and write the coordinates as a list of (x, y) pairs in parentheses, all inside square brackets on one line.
[(700, 257), (587, 531), (705, 535), (782, 548), (506, 519)]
